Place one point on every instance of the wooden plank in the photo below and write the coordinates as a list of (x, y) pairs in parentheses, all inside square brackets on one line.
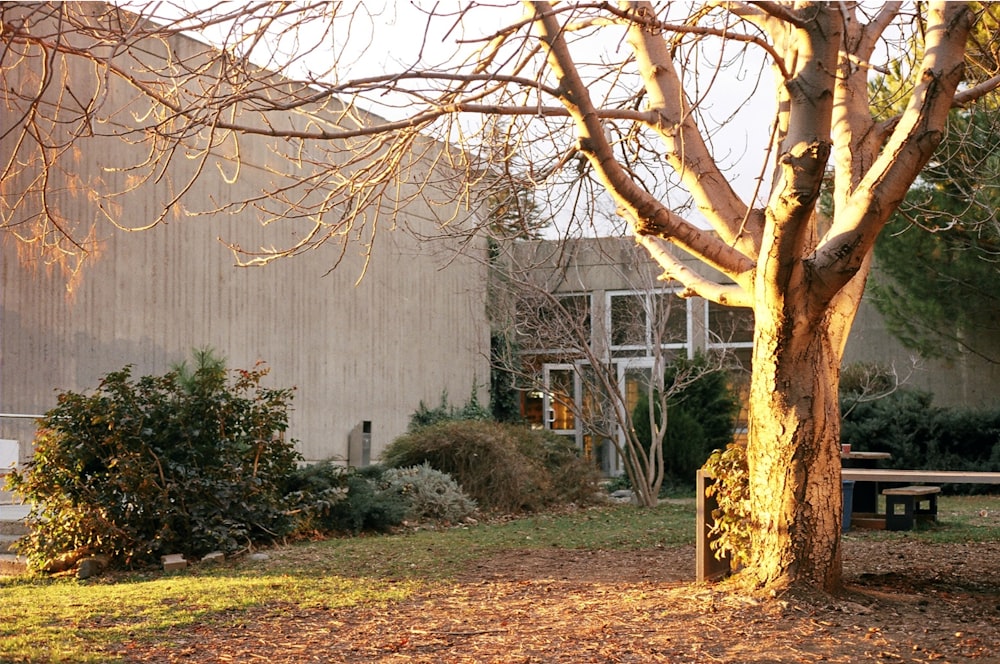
[(916, 476), (912, 491), (707, 566)]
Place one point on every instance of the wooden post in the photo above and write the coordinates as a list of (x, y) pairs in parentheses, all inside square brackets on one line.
[(708, 567)]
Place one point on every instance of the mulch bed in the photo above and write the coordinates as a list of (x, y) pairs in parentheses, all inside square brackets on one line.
[(906, 602)]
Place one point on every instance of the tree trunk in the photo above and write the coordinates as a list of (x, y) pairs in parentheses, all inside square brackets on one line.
[(794, 453)]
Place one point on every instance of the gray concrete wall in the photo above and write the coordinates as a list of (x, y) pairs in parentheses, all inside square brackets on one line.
[(413, 326), (370, 351), (962, 381)]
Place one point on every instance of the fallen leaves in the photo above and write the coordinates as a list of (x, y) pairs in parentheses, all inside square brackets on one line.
[(558, 606)]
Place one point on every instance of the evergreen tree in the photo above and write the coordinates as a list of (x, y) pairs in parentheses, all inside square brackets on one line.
[(939, 261), (701, 416), (515, 214)]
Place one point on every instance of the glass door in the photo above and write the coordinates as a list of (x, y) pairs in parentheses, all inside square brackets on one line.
[(561, 399)]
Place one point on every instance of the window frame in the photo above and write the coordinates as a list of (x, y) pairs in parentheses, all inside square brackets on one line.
[(624, 351)]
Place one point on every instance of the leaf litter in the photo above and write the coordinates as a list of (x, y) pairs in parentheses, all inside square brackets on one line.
[(906, 601)]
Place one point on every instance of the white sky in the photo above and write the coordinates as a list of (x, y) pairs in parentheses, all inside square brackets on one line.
[(384, 36)]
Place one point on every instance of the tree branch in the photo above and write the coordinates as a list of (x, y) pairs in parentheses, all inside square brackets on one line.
[(647, 214), (783, 13), (976, 92), (913, 141), (686, 149), (732, 295)]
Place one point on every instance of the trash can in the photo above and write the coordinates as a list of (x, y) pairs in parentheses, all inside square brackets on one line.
[(848, 489)]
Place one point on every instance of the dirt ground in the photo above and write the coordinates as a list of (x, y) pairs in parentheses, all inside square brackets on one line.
[(906, 602)]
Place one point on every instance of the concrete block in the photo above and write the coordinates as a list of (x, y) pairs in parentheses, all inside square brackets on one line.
[(173, 561), (213, 557), (10, 451)]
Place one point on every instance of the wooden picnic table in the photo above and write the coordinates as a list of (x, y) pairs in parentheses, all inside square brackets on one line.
[(865, 494), (708, 567)]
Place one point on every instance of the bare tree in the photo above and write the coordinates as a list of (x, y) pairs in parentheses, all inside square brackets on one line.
[(584, 99), (567, 332)]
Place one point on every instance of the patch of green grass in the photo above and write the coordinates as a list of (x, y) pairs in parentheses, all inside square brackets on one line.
[(960, 519), (438, 555), (963, 519), (65, 620)]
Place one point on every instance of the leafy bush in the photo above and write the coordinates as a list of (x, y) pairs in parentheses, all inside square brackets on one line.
[(325, 497), (700, 418), (146, 467), (731, 523), (429, 494), (504, 468)]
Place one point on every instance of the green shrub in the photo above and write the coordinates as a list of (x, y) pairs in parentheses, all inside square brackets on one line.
[(430, 495), (472, 410), (312, 491), (328, 498), (146, 467), (700, 418), (731, 523), (368, 507), (504, 468)]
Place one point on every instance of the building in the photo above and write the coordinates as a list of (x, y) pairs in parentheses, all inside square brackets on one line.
[(597, 301), (587, 312), (362, 353)]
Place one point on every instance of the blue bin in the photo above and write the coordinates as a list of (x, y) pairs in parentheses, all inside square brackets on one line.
[(848, 489)]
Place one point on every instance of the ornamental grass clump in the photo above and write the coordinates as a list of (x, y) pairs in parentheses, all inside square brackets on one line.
[(430, 495)]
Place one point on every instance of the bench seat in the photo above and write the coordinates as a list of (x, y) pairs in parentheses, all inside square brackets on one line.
[(905, 504), (919, 476)]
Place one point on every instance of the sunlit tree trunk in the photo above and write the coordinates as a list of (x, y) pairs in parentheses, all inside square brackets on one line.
[(793, 453)]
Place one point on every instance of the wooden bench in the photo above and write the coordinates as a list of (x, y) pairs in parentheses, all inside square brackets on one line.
[(905, 504), (919, 476), (708, 567), (895, 478)]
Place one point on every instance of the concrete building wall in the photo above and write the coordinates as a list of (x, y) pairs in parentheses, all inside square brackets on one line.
[(370, 351), (963, 381), (415, 325)]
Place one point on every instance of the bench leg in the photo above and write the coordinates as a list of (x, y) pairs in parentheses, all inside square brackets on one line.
[(899, 512), (928, 513)]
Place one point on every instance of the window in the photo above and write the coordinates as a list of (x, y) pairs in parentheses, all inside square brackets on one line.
[(628, 320), (640, 322), (731, 332), (730, 326), (577, 310), (561, 386)]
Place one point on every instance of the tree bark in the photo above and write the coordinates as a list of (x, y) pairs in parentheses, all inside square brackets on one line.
[(793, 453)]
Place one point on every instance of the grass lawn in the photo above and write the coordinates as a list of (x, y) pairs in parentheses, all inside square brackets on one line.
[(66, 620)]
